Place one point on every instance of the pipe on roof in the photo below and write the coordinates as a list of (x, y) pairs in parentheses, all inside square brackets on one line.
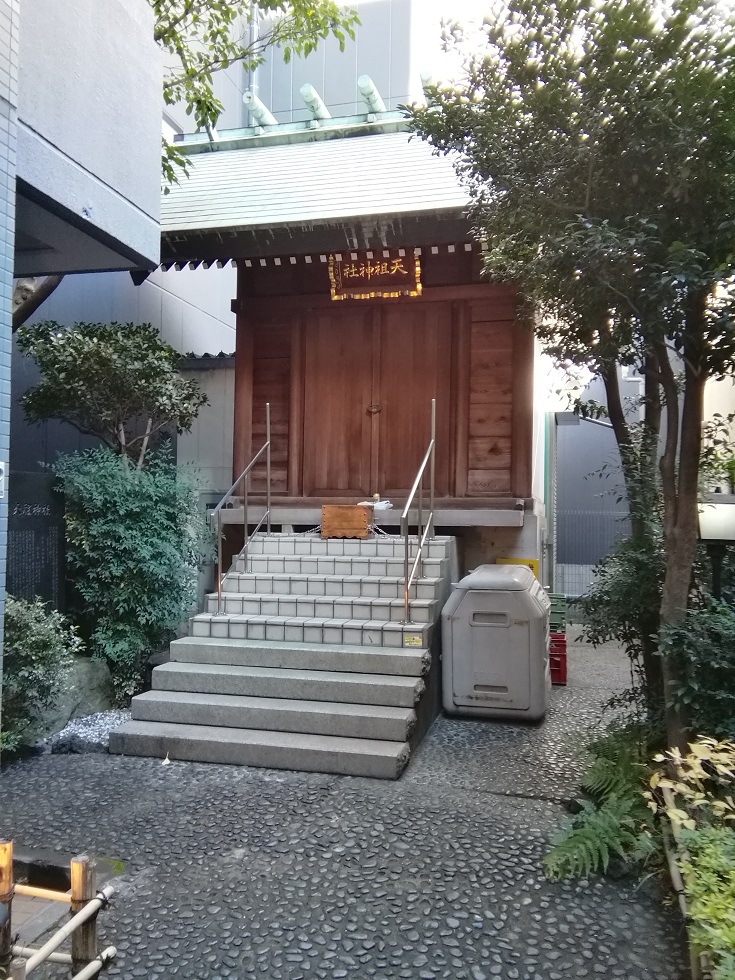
[(370, 94)]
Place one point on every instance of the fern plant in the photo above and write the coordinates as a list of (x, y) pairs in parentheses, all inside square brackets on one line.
[(615, 820), (616, 827)]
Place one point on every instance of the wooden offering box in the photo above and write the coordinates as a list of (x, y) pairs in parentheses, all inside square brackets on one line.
[(344, 521)]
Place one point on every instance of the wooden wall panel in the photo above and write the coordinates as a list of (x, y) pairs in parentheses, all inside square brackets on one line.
[(272, 383), (489, 426)]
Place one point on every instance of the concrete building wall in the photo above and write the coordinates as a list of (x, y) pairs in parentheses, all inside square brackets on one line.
[(208, 447), (9, 29), (90, 80), (174, 301)]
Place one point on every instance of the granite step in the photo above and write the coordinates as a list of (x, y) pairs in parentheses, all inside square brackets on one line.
[(281, 682), (388, 546), (376, 758), (365, 632), (402, 662), (323, 607), (385, 587), (276, 714), (303, 565)]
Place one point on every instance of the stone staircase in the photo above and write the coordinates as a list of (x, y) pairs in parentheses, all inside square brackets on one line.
[(310, 665)]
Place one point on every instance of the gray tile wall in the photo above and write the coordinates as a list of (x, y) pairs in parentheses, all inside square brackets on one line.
[(9, 16), (381, 49)]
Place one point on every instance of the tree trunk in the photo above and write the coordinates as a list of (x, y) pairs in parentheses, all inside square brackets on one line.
[(640, 484), (681, 501), (29, 293)]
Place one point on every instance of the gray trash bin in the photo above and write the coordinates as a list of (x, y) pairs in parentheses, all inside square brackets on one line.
[(495, 645)]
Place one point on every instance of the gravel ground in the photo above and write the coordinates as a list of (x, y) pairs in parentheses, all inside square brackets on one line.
[(239, 873), (88, 734)]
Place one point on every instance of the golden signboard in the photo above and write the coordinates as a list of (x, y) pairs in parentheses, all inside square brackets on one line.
[(369, 275)]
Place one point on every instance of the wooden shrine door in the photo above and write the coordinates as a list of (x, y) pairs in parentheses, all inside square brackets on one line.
[(337, 392), (414, 367), (370, 373)]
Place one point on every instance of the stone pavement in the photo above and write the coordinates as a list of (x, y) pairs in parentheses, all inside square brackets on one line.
[(245, 873)]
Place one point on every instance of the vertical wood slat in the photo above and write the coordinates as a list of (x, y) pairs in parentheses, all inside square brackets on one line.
[(6, 901), (461, 399), (83, 889), (522, 414), (375, 398), (296, 409), (243, 422)]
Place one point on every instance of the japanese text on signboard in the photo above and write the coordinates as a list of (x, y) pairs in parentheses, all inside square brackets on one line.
[(366, 276)]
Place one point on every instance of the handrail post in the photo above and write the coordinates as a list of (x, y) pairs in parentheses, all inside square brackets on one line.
[(432, 468), (405, 569), (219, 562), (246, 536), (268, 462)]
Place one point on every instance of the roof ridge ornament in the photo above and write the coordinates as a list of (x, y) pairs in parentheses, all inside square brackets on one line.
[(258, 110), (370, 94), (314, 102)]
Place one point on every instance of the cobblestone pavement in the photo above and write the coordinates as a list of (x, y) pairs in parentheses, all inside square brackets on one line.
[(251, 873)]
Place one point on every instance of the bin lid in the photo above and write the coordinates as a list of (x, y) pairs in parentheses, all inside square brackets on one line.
[(498, 578)]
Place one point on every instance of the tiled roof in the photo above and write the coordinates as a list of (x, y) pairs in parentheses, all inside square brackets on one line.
[(328, 181)]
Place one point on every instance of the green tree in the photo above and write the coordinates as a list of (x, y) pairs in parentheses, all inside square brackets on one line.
[(598, 142), (118, 382), (202, 37)]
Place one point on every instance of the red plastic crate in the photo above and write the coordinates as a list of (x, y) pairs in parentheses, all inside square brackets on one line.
[(558, 668)]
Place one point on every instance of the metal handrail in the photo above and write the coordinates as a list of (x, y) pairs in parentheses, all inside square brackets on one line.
[(421, 537), (217, 512)]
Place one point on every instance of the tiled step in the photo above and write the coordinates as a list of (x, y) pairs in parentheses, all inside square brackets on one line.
[(386, 587), (403, 662), (270, 682), (365, 632), (302, 565), (276, 714), (272, 750), (323, 607), (388, 546)]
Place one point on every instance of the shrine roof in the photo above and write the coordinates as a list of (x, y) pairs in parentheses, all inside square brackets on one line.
[(369, 180)]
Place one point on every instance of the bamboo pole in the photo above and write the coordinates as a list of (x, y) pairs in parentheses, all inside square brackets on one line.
[(93, 968), (17, 970), (90, 909), (26, 952), (47, 893), (673, 854), (6, 903), (83, 889)]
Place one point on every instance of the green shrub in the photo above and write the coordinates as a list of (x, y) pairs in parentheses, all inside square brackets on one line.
[(703, 649), (709, 883), (135, 539), (38, 651), (694, 793)]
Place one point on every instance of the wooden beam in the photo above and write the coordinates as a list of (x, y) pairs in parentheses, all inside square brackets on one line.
[(431, 294), (522, 411)]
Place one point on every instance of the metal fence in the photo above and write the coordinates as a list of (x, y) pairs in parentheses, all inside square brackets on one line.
[(584, 538)]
